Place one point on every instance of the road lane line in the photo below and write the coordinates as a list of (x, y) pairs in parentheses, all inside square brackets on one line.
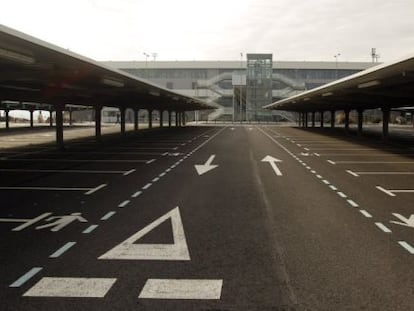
[(149, 161), (352, 203), (181, 289), (45, 188), (74, 160), (136, 194), (341, 194), (365, 213), (385, 191), (95, 189), (352, 173), (156, 179), (374, 162), (123, 204), (62, 250), (147, 186), (330, 161), (407, 246), (108, 215), (162, 174), (25, 277), (129, 172), (12, 170), (326, 182), (382, 227), (384, 173), (90, 229), (71, 287), (319, 176)]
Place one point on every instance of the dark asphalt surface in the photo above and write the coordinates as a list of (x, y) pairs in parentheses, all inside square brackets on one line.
[(318, 237)]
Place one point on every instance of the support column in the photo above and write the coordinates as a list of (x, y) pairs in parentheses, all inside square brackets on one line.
[(385, 122), (169, 118), (161, 118), (347, 120), (360, 121), (70, 117), (31, 117), (59, 126), (150, 119), (313, 118), (136, 116), (306, 119), (322, 114), (183, 119), (6, 112), (98, 121), (50, 118), (176, 118), (332, 118), (122, 116)]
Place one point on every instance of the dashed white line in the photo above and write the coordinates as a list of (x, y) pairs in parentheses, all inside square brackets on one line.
[(90, 229), (333, 187), (150, 161), (313, 172), (62, 250), (125, 203), (365, 213), (156, 179), (382, 227), (162, 174), (319, 176), (407, 247), (341, 194), (326, 182), (330, 161), (136, 194), (385, 191), (352, 203), (147, 186), (129, 172), (25, 277), (352, 173), (108, 215)]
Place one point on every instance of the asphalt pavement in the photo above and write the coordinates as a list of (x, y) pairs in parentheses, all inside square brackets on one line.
[(217, 217)]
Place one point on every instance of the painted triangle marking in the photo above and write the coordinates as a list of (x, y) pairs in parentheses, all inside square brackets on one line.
[(129, 250)]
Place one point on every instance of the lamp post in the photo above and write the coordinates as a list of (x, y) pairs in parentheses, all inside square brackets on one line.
[(336, 65), (146, 64)]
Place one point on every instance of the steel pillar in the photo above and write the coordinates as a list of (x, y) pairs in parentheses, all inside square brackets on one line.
[(150, 119), (98, 121), (161, 118), (313, 118), (169, 118), (31, 118), (332, 118), (122, 116), (385, 122), (347, 120), (59, 126), (322, 115), (6, 112), (360, 121), (136, 116)]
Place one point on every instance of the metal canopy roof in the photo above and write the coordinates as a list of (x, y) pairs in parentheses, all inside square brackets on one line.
[(35, 71), (387, 85)]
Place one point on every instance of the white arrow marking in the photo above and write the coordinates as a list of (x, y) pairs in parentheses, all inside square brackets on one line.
[(408, 222), (272, 162), (204, 168)]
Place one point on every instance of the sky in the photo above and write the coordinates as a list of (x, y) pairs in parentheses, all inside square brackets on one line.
[(301, 30)]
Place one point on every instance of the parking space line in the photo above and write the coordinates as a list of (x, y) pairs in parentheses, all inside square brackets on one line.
[(380, 173), (407, 246), (25, 277), (149, 161), (382, 227), (46, 188), (371, 162), (352, 173), (352, 203), (62, 250), (341, 194), (129, 172), (95, 189), (18, 170), (74, 160)]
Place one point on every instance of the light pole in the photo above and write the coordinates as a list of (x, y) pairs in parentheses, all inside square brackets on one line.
[(146, 64), (336, 65)]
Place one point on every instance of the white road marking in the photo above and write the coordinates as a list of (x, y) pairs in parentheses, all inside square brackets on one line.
[(129, 172), (341, 194), (168, 170), (308, 167), (364, 155), (352, 173), (319, 176), (46, 188), (407, 247), (71, 287), (162, 174), (382, 227), (147, 186), (332, 162), (272, 161), (181, 289), (108, 215), (125, 203), (374, 162), (90, 229), (62, 250), (95, 189), (313, 172), (76, 160), (25, 277), (130, 250), (136, 194), (408, 222), (385, 191), (12, 170), (156, 179), (365, 213), (352, 203), (384, 173), (317, 154), (307, 149), (149, 161), (326, 182)]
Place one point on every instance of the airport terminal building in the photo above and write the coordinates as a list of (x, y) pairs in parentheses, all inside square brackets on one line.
[(239, 89)]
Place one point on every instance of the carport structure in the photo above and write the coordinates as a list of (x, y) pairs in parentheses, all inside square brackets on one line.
[(386, 86), (37, 75)]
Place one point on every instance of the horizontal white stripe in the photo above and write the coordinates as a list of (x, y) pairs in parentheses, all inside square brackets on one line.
[(181, 289), (71, 287)]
